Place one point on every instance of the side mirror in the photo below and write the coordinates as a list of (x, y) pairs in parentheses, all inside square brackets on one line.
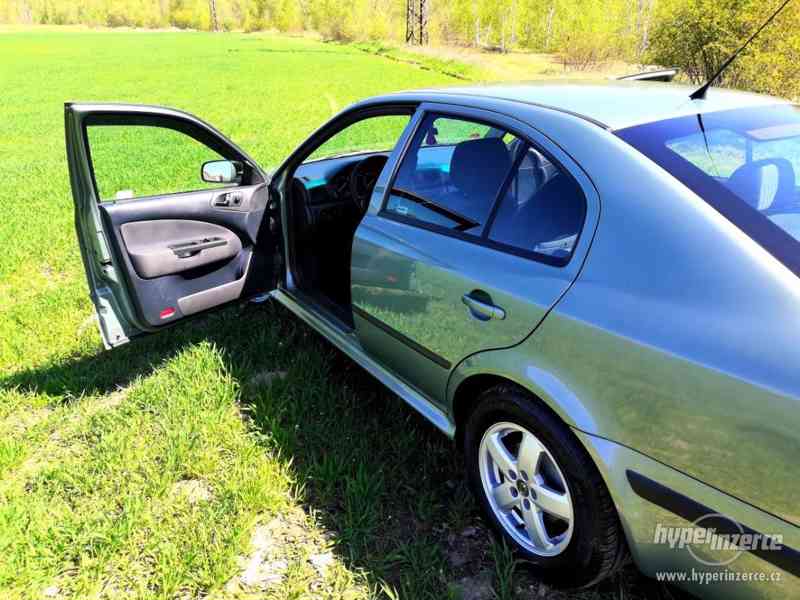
[(222, 171)]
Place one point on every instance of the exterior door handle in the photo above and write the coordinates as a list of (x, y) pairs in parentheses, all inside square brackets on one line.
[(483, 310)]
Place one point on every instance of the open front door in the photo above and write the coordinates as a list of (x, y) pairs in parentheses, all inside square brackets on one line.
[(172, 218)]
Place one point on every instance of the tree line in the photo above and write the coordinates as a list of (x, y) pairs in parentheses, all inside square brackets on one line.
[(695, 35)]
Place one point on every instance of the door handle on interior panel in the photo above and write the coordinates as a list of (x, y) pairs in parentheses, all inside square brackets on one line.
[(483, 310)]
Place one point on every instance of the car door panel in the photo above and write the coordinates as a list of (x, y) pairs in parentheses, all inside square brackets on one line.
[(429, 327), (168, 278), (425, 300), (170, 246), (197, 206), (153, 260)]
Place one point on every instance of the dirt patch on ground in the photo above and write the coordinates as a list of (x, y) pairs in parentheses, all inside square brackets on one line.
[(193, 491), (286, 546), (267, 378), (20, 421)]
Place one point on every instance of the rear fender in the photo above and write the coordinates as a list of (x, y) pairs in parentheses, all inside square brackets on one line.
[(518, 366)]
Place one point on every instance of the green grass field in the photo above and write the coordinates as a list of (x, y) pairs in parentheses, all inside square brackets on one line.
[(236, 456)]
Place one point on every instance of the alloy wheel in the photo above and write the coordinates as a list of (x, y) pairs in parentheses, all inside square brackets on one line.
[(526, 489)]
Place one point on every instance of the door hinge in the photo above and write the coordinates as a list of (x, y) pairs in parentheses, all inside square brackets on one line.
[(273, 212)]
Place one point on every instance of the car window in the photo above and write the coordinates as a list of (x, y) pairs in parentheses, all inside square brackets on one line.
[(788, 149), (131, 161), (542, 210), (375, 134), (743, 162), (452, 174), (718, 153)]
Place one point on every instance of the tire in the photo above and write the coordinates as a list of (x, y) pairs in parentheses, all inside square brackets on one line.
[(578, 540)]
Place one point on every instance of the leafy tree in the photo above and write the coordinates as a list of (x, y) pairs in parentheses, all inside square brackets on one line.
[(699, 35), (694, 35)]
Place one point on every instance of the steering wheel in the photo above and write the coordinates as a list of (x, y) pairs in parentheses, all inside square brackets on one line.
[(363, 178)]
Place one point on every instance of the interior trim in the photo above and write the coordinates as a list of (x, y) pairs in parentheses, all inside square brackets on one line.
[(216, 296), (152, 245)]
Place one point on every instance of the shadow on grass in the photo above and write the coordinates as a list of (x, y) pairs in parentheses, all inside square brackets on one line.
[(380, 478), (104, 372)]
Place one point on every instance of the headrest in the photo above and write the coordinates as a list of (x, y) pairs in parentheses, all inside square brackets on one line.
[(765, 184), (479, 166)]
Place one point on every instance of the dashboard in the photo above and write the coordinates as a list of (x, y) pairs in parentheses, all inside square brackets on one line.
[(323, 190)]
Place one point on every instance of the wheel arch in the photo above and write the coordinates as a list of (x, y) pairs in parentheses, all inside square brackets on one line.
[(465, 398), (495, 367), (537, 385)]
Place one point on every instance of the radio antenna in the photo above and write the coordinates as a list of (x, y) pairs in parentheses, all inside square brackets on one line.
[(700, 93)]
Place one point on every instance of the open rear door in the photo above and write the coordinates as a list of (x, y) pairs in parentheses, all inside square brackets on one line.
[(172, 218)]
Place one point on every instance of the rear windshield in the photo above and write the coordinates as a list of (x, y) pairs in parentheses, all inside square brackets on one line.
[(744, 162)]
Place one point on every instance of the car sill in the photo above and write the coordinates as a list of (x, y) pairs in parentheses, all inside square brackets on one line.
[(348, 344)]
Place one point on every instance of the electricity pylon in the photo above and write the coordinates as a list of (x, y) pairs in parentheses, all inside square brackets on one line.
[(417, 22)]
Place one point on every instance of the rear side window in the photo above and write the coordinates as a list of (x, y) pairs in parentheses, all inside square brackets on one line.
[(480, 180), (452, 174), (542, 210)]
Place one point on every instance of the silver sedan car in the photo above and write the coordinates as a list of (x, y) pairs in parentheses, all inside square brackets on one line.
[(592, 288)]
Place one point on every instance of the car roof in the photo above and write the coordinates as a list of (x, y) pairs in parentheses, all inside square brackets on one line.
[(612, 104)]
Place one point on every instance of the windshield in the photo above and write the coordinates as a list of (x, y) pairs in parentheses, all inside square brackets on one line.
[(744, 162)]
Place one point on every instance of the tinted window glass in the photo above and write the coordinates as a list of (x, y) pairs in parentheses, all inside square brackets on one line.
[(726, 151), (452, 174), (745, 163), (542, 211)]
